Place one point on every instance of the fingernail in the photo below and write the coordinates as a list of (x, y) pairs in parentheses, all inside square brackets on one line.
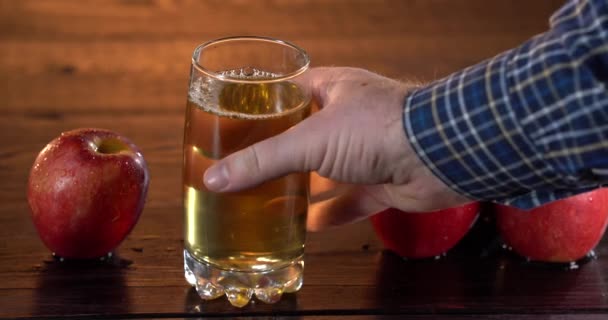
[(216, 178)]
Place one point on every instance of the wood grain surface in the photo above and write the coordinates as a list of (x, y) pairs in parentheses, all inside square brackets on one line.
[(123, 65)]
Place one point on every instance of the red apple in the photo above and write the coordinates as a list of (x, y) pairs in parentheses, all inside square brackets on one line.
[(86, 192), (423, 235), (560, 231)]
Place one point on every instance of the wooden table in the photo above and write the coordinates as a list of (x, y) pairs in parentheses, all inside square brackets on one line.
[(123, 65)]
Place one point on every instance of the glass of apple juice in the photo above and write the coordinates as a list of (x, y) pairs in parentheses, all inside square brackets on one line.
[(240, 244)]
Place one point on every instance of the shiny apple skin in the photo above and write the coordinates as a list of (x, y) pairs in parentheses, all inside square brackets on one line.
[(424, 235), (561, 231), (85, 202)]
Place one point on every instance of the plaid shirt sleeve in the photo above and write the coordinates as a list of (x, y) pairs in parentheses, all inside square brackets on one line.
[(528, 126)]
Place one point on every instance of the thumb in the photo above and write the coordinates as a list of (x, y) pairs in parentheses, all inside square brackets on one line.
[(298, 149), (295, 150)]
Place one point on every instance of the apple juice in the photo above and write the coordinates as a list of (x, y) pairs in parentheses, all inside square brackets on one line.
[(259, 229)]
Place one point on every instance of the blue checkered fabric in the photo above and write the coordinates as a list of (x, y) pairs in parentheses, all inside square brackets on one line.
[(528, 126)]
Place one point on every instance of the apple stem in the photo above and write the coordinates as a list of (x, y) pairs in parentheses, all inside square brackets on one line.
[(110, 146)]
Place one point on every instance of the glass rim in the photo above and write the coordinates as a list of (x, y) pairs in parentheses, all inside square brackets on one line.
[(226, 78)]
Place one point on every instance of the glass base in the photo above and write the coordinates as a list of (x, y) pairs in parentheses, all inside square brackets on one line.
[(212, 282)]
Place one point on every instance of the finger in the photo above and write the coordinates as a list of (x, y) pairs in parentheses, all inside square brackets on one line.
[(295, 150), (318, 80), (350, 203), (322, 80), (322, 188), (347, 204)]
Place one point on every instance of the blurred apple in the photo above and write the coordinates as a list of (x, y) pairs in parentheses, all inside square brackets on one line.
[(86, 192), (560, 231), (424, 235)]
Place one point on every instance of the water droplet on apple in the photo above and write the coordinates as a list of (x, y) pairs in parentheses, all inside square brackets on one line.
[(439, 256)]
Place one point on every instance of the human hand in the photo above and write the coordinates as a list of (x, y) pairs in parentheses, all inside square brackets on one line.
[(356, 139)]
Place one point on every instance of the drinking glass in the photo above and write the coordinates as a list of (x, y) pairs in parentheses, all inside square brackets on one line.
[(243, 90)]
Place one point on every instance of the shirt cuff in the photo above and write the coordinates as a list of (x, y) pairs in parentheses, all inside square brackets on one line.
[(465, 130)]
